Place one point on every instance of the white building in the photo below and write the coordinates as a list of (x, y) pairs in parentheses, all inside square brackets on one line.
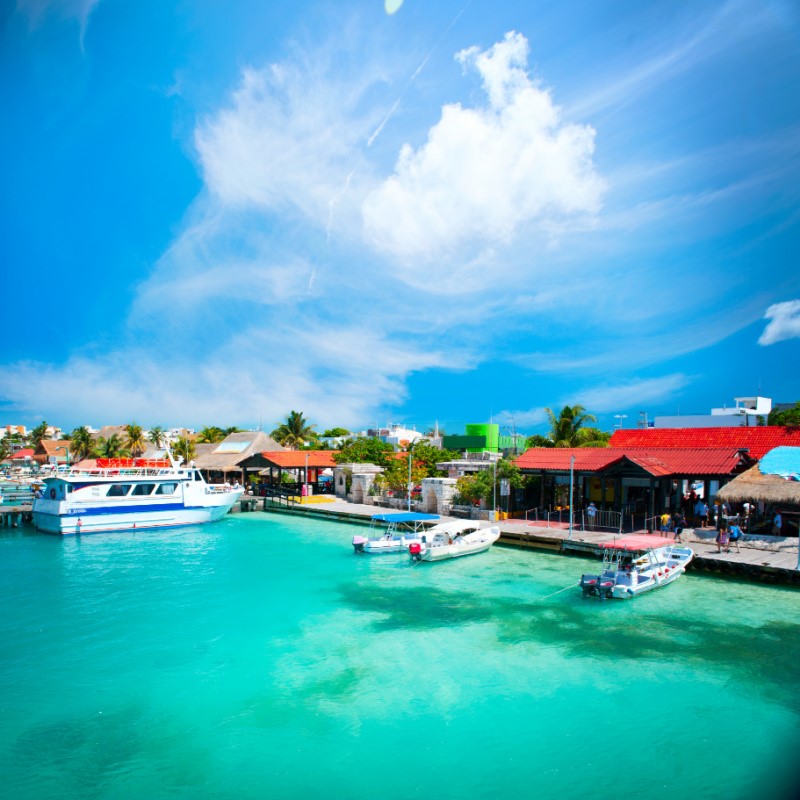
[(746, 412)]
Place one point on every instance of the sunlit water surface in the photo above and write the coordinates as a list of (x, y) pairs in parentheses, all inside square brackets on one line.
[(258, 657)]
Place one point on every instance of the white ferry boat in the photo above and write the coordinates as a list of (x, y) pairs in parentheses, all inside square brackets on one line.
[(126, 494)]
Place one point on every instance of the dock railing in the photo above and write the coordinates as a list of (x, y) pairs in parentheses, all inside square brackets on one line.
[(603, 520)]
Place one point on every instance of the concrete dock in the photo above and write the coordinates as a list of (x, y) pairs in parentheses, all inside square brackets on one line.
[(765, 559)]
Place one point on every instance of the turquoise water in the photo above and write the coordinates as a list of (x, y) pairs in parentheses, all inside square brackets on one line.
[(258, 657)]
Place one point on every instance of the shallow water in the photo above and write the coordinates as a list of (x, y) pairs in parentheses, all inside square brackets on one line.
[(258, 657)]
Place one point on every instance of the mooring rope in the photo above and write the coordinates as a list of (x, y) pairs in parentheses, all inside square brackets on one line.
[(571, 586)]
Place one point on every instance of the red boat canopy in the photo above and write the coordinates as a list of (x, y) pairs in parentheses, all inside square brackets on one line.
[(643, 541), (127, 463)]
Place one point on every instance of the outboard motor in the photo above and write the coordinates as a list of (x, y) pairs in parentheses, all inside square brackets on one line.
[(415, 550), (590, 585), (358, 544)]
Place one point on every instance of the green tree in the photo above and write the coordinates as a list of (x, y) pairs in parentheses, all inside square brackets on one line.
[(210, 435), (365, 451), (537, 440), (791, 416), (109, 448), (485, 485), (429, 456), (335, 432), (395, 475), (295, 432), (81, 443), (229, 431), (591, 437), (135, 441), (157, 436), (564, 427), (184, 447), (5, 448), (37, 434)]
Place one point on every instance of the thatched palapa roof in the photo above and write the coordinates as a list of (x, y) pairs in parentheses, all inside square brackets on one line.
[(753, 485), (226, 455)]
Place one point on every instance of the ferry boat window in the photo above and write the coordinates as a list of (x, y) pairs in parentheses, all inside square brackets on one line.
[(118, 489), (143, 488), (166, 488), (197, 475)]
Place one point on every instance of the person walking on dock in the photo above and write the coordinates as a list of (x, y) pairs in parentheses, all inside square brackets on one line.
[(735, 534), (591, 513)]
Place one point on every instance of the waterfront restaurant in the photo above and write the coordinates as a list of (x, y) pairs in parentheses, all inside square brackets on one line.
[(644, 472), (639, 482), (305, 465), (229, 459)]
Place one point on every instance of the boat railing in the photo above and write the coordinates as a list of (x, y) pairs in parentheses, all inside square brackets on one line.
[(127, 472)]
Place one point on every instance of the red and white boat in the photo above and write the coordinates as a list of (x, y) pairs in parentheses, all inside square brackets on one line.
[(635, 564)]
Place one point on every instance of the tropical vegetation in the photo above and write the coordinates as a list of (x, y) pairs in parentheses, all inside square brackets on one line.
[(37, 434), (135, 440), (157, 436), (485, 485), (210, 434), (570, 429), (81, 444), (183, 446), (295, 431), (791, 416), (112, 447), (365, 451)]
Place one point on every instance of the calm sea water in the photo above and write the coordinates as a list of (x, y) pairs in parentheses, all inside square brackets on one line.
[(258, 657)]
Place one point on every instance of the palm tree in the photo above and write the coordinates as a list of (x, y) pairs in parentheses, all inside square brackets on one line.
[(80, 443), (37, 434), (136, 442), (295, 432), (184, 447), (211, 434), (109, 448), (564, 428), (157, 436)]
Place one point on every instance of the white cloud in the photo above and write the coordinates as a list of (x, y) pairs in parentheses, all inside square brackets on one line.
[(36, 10), (486, 172), (260, 374), (600, 399), (785, 322), (289, 140)]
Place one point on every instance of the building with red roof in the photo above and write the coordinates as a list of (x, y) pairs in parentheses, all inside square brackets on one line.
[(756, 441), (635, 480)]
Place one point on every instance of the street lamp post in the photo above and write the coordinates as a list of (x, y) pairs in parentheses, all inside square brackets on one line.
[(66, 455), (620, 417), (409, 479), (571, 503), (494, 492)]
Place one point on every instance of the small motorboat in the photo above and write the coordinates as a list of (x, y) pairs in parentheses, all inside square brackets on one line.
[(635, 564), (453, 539), (402, 530)]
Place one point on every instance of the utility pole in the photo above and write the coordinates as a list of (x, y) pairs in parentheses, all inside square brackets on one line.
[(571, 503)]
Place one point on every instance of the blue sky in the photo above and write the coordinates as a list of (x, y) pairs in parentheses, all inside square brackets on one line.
[(217, 212)]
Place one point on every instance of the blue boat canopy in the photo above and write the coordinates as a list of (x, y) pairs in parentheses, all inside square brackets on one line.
[(405, 516)]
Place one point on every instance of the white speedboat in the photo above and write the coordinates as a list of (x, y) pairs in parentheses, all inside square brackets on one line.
[(454, 539), (403, 529), (633, 565), (127, 494)]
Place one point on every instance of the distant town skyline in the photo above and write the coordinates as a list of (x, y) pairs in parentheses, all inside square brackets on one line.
[(374, 212)]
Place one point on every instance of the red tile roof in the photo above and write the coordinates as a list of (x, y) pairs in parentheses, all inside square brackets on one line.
[(296, 459), (658, 462), (558, 458), (757, 440), (21, 455)]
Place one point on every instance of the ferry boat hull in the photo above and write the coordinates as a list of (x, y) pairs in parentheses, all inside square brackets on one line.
[(136, 498)]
